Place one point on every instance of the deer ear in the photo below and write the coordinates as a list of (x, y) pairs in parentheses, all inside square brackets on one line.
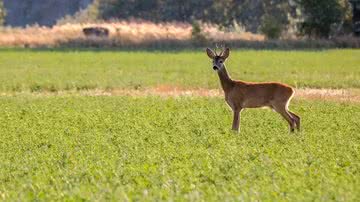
[(210, 53), (226, 53)]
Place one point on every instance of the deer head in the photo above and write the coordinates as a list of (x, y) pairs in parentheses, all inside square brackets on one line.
[(218, 60)]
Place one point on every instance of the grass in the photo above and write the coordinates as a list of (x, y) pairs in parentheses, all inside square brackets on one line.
[(124, 148), (70, 147), (68, 70)]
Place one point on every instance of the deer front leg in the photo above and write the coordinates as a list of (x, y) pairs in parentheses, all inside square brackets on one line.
[(236, 120)]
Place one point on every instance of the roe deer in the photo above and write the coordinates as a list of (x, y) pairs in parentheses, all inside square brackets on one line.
[(240, 94)]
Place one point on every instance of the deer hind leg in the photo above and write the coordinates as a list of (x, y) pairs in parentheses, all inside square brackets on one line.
[(282, 110), (297, 120), (295, 117)]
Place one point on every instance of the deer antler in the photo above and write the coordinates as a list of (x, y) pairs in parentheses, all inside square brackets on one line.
[(216, 47), (223, 49)]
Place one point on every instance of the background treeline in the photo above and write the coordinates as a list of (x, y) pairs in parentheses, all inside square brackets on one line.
[(315, 18), (274, 18)]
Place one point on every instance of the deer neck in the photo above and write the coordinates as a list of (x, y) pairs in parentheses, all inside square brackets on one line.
[(226, 82)]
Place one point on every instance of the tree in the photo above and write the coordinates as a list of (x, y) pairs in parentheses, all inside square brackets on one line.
[(155, 10), (2, 12), (275, 18), (320, 16)]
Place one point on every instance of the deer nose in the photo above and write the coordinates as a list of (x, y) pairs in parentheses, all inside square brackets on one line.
[(215, 68)]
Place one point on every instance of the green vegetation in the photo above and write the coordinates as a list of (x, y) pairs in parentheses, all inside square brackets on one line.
[(321, 16), (316, 18), (123, 148), (271, 28), (61, 70)]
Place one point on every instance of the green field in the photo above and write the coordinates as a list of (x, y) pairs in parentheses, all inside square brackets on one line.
[(61, 70), (103, 148), (71, 147)]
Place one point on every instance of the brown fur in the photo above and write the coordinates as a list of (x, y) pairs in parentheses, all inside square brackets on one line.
[(240, 94)]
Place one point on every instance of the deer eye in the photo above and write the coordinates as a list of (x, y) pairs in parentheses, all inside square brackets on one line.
[(221, 61)]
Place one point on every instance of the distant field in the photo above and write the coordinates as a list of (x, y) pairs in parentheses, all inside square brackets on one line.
[(25, 70), (123, 148)]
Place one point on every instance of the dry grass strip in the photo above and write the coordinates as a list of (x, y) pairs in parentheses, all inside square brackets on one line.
[(121, 32), (340, 95)]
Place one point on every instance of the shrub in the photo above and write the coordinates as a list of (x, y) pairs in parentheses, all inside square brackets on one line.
[(271, 27), (196, 34)]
